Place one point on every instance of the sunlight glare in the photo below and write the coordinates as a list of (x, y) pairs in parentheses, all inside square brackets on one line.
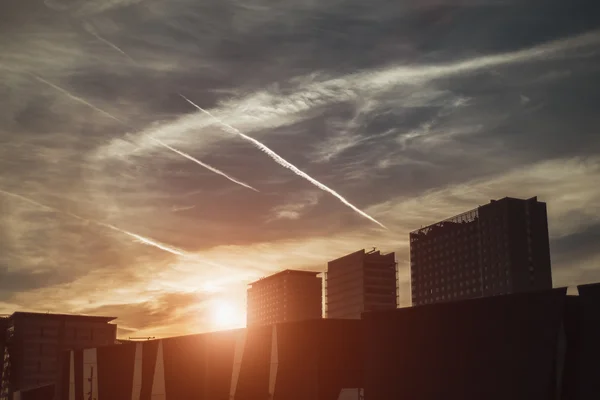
[(225, 315)]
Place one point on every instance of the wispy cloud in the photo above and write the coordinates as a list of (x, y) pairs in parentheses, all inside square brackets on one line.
[(553, 181), (268, 109), (90, 7), (158, 141), (415, 112), (297, 204)]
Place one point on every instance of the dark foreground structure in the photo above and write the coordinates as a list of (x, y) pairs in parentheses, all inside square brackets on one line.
[(295, 360), (45, 392), (531, 346)]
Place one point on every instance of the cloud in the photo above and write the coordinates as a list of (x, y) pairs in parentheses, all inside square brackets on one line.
[(268, 109), (554, 181), (22, 280), (98, 6), (413, 111), (162, 310), (298, 203)]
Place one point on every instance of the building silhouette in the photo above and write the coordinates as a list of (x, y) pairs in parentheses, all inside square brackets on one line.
[(499, 248), (538, 345), (4, 319), (288, 295), (360, 281), (35, 342)]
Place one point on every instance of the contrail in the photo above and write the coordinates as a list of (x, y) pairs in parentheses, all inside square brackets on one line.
[(147, 241), (114, 46), (211, 168), (139, 238), (90, 29), (79, 99), (184, 208), (160, 142), (281, 161)]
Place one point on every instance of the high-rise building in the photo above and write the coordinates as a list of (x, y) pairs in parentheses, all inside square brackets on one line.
[(359, 282), (36, 341), (285, 296), (499, 248), (3, 330)]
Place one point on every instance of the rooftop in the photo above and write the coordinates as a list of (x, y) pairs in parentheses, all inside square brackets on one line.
[(363, 254), (25, 314), (285, 272), (464, 217)]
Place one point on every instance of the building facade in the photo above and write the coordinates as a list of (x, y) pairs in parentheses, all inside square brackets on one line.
[(285, 296), (4, 319), (360, 281), (499, 248), (35, 342)]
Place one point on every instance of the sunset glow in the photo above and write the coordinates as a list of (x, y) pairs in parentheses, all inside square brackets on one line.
[(225, 315), (158, 157)]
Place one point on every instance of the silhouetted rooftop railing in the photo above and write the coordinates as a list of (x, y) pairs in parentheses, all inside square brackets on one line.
[(466, 217)]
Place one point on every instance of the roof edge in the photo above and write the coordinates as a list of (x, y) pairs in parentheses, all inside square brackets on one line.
[(55, 315)]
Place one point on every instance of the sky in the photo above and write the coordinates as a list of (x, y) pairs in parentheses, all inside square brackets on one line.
[(157, 156)]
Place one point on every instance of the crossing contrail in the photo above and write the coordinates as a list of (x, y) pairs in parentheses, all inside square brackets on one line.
[(139, 238), (159, 142), (110, 44), (146, 240), (281, 161), (79, 99), (209, 167)]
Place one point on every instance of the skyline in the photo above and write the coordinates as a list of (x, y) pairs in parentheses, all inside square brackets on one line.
[(410, 113)]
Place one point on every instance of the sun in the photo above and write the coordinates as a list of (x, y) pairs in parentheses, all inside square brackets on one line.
[(225, 315)]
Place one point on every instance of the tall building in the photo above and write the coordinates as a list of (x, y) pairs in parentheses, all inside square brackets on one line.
[(285, 296), (3, 330), (35, 342), (499, 248), (359, 282)]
